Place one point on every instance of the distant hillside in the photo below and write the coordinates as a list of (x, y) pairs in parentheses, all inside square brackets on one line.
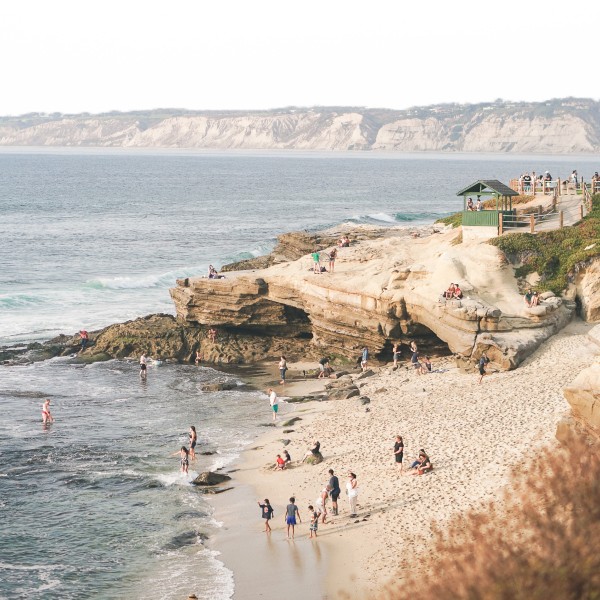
[(568, 125)]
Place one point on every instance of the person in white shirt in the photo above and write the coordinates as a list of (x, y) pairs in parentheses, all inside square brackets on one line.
[(274, 401), (143, 365)]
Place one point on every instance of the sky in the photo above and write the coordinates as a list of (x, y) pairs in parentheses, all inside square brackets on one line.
[(94, 56)]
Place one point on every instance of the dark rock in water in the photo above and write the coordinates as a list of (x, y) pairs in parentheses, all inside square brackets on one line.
[(286, 442), (300, 399), (210, 478), (292, 421), (219, 386), (365, 400), (339, 374), (187, 538), (153, 484), (216, 490), (189, 514), (315, 459), (288, 431), (207, 453), (365, 374)]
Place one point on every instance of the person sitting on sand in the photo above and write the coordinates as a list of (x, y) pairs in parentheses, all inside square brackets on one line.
[(424, 466), (426, 366), (344, 242), (417, 462), (280, 463), (314, 451), (287, 457), (457, 292)]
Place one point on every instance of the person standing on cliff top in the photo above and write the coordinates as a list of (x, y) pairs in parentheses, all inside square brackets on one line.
[(316, 262), (274, 401)]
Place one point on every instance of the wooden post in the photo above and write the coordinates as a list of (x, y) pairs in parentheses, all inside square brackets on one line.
[(500, 224), (581, 211), (557, 187), (561, 218), (532, 223)]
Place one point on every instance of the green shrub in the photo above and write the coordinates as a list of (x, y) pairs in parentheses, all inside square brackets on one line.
[(555, 255), (455, 220)]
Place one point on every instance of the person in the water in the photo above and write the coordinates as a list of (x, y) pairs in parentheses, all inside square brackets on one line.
[(184, 459), (46, 414), (193, 441)]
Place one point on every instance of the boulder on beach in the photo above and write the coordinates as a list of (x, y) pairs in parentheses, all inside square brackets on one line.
[(210, 478), (314, 458)]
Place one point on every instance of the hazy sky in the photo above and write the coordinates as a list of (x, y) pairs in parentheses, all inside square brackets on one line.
[(91, 55)]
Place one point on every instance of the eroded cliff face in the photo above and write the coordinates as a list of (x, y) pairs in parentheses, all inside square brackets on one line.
[(382, 290), (558, 126)]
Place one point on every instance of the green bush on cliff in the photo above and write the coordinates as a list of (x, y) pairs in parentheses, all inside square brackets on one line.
[(455, 220), (555, 255)]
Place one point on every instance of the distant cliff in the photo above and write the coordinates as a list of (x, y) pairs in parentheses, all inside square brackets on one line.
[(558, 126)]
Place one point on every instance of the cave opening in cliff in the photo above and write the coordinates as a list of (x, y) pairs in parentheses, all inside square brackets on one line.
[(428, 343)]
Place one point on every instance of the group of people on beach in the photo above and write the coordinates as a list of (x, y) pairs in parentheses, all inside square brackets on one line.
[(318, 510)]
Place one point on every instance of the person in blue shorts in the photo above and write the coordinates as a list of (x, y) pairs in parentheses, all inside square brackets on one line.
[(291, 512)]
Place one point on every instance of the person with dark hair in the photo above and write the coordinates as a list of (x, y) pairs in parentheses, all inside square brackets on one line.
[(267, 514), (314, 451), (184, 458), (334, 483), (287, 458), (291, 512), (314, 520), (193, 441), (483, 362), (282, 369), (352, 492), (399, 451), (143, 366)]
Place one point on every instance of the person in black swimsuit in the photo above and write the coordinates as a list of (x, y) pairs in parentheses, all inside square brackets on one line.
[(184, 458), (193, 441), (399, 450)]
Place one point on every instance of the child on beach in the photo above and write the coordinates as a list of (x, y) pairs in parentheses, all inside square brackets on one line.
[(291, 512), (287, 458), (314, 521), (280, 463), (267, 514), (46, 415)]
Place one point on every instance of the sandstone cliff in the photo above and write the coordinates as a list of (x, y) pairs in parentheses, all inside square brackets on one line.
[(382, 290), (558, 126)]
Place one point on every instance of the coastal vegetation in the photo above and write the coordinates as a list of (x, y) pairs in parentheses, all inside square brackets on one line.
[(555, 255), (540, 542)]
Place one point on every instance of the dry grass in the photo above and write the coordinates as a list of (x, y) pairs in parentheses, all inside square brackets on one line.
[(541, 542)]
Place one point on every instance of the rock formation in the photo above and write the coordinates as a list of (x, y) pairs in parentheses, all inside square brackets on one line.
[(557, 126), (383, 290)]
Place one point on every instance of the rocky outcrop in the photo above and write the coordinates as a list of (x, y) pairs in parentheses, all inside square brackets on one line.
[(587, 285), (583, 396), (383, 290), (557, 126), (209, 478)]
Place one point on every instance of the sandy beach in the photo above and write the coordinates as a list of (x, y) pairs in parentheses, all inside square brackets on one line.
[(475, 435)]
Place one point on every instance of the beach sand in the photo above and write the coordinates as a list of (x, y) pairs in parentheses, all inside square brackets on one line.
[(475, 435)]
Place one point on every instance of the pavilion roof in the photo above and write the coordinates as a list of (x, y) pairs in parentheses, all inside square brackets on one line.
[(487, 186)]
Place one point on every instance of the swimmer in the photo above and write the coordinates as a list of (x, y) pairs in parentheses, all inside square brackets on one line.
[(46, 415), (193, 441)]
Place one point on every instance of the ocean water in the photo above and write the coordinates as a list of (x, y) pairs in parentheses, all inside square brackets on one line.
[(94, 506)]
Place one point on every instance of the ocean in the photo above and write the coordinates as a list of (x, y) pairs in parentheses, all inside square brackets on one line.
[(94, 505)]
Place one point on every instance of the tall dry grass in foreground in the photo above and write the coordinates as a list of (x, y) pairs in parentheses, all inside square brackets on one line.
[(542, 542)]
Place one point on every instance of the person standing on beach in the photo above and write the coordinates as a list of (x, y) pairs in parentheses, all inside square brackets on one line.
[(364, 358), (334, 484), (396, 353), (291, 511), (282, 369), (352, 492), (274, 401), (314, 520), (399, 451), (143, 366), (46, 414), (322, 502), (193, 441), (267, 514)]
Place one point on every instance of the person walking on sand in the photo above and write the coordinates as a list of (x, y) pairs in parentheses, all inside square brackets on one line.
[(483, 362), (46, 414), (143, 366), (267, 514), (399, 451), (282, 369), (274, 401), (314, 520), (334, 483), (291, 512), (352, 492), (193, 442)]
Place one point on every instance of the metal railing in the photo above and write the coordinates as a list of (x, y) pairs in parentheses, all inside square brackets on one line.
[(530, 223)]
